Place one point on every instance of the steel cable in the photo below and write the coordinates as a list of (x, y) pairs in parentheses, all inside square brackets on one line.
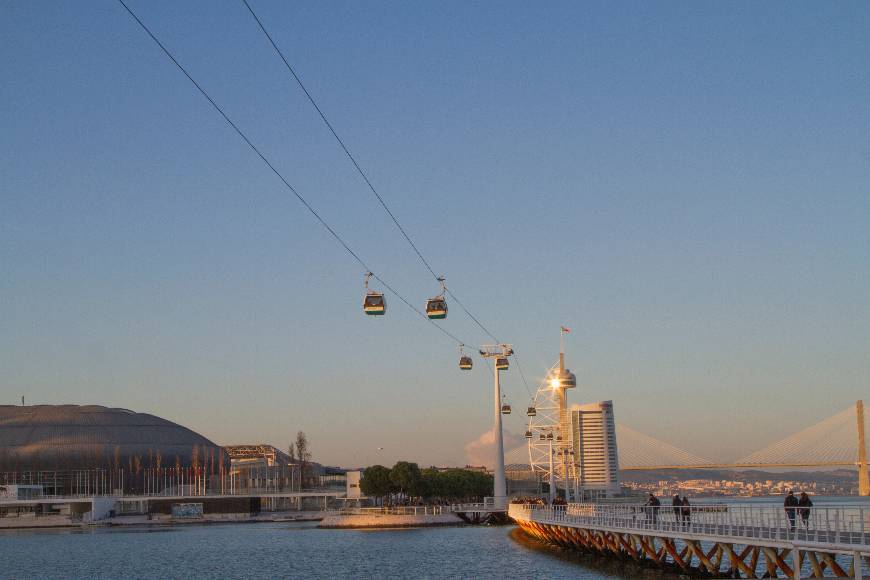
[(359, 168), (286, 183)]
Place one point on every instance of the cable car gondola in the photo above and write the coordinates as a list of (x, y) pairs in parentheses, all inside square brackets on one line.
[(436, 307), (373, 303), (531, 411), (501, 363), (506, 409), (465, 362)]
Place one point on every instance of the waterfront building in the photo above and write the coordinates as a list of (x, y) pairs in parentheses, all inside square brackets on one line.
[(594, 443), (258, 455), (91, 449), (64, 464), (352, 479)]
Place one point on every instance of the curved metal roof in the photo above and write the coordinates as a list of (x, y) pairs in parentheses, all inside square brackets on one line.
[(84, 436)]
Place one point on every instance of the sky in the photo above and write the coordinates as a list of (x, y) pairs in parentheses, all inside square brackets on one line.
[(686, 185)]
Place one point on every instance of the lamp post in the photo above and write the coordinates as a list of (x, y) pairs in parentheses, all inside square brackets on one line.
[(565, 454), (553, 492)]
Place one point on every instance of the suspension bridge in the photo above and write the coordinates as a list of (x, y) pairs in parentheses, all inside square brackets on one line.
[(837, 441)]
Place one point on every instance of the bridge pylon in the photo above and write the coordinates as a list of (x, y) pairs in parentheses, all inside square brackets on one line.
[(863, 476)]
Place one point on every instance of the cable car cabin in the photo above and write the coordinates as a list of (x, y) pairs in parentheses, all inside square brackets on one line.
[(436, 308), (501, 363), (374, 304), (531, 411), (465, 363), (528, 434), (506, 409)]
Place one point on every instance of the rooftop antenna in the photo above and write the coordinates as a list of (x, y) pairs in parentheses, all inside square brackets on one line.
[(563, 330), (22, 400)]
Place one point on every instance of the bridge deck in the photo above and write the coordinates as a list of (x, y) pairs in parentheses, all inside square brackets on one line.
[(705, 540), (742, 533), (846, 525)]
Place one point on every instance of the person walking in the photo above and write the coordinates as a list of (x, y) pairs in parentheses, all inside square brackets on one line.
[(804, 505), (687, 512), (652, 507), (678, 508), (790, 506)]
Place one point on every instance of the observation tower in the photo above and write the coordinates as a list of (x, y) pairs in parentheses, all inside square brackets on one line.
[(549, 434)]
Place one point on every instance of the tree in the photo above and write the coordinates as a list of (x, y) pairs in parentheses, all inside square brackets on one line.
[(455, 484), (291, 451), (406, 477), (376, 481), (303, 455), (431, 484)]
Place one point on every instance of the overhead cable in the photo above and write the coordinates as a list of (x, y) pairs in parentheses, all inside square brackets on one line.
[(360, 169), (287, 184)]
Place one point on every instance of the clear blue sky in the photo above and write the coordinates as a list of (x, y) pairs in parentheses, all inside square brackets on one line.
[(685, 184)]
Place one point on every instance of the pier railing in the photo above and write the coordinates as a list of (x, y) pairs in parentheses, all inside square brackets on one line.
[(410, 510), (417, 510), (847, 526)]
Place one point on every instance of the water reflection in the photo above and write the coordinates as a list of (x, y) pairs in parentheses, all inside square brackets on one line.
[(607, 567)]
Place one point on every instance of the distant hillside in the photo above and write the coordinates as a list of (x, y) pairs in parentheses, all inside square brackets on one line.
[(833, 476)]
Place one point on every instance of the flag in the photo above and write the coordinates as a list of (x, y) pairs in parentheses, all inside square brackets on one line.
[(566, 329)]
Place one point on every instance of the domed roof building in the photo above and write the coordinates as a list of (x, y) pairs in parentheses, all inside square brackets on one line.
[(75, 437)]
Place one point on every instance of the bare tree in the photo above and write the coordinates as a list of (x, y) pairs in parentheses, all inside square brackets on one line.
[(303, 455)]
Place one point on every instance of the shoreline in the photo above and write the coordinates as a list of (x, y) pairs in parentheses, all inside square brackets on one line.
[(143, 521), (384, 521)]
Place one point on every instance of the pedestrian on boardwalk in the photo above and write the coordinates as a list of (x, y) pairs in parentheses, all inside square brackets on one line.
[(653, 504), (804, 505), (678, 508), (790, 506), (687, 512)]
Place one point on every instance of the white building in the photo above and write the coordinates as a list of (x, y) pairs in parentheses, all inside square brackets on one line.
[(594, 438), (353, 490)]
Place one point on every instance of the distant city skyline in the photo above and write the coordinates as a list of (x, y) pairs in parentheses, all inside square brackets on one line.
[(685, 185)]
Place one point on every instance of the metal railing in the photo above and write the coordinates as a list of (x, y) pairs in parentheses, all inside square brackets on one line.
[(414, 510), (159, 482), (410, 510), (846, 526)]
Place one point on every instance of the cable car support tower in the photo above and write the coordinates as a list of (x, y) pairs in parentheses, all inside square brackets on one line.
[(499, 352)]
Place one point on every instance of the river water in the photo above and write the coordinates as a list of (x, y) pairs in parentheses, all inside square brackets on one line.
[(301, 550), (296, 550)]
